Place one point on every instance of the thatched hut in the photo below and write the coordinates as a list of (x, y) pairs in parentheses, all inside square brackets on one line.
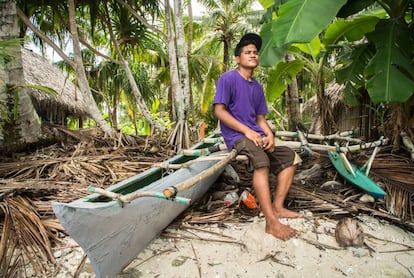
[(346, 117), (68, 101)]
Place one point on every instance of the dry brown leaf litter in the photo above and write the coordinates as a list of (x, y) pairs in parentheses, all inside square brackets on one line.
[(62, 172)]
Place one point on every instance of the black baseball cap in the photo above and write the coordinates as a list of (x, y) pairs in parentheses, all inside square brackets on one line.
[(249, 38)]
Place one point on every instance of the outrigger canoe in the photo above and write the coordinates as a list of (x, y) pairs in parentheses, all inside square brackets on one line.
[(113, 232)]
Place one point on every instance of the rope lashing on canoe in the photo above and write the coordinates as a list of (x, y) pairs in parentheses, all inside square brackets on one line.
[(170, 191), (380, 142), (128, 198), (204, 151), (305, 144), (187, 164), (204, 154)]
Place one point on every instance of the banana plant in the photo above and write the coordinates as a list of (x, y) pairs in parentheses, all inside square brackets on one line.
[(379, 32)]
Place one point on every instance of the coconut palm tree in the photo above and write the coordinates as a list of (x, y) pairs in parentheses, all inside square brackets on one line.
[(133, 84), (178, 69), (228, 21)]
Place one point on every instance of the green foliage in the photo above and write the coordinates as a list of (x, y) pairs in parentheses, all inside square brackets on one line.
[(350, 31), (351, 74), (208, 95), (141, 126), (386, 71), (290, 26), (9, 49), (280, 77), (276, 114), (312, 48), (44, 89), (315, 31), (390, 73), (270, 55), (354, 6)]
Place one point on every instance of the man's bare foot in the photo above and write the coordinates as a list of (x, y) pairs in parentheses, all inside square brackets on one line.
[(285, 213), (280, 231)]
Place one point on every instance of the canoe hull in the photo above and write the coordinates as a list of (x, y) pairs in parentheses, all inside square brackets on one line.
[(112, 235)]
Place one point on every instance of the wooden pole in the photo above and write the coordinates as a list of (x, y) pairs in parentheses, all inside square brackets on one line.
[(173, 190), (337, 136), (317, 147), (137, 194)]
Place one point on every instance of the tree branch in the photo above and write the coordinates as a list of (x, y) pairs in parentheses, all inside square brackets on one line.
[(91, 48), (35, 30)]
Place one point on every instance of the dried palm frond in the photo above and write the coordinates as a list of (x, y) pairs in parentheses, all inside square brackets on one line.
[(9, 263), (24, 238)]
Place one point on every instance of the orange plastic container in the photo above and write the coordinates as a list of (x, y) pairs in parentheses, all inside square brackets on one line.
[(248, 199)]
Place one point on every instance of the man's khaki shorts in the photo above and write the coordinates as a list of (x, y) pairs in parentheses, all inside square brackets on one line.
[(282, 157)]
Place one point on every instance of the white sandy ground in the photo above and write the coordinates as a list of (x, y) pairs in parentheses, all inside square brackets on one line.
[(264, 255)]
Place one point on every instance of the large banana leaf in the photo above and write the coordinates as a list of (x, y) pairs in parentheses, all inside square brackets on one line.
[(269, 55), (390, 74), (354, 6), (280, 77), (312, 48), (352, 73), (353, 70), (300, 21), (351, 30)]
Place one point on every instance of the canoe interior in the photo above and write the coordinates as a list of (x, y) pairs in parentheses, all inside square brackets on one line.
[(146, 178)]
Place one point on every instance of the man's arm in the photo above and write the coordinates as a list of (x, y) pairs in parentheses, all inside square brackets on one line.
[(226, 118)]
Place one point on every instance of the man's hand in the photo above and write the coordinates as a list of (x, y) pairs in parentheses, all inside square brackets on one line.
[(269, 143), (255, 138)]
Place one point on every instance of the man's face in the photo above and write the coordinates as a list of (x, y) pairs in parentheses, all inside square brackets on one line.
[(249, 57)]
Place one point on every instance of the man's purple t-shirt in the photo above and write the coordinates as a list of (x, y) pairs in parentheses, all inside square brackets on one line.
[(243, 99)]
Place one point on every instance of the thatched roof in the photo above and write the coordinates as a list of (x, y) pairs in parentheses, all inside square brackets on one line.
[(40, 71), (334, 92)]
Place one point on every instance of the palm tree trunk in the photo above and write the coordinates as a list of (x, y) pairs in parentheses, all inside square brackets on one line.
[(189, 51), (134, 86), (292, 105), (183, 102), (172, 58), (226, 54), (83, 84), (19, 122), (179, 74), (292, 101)]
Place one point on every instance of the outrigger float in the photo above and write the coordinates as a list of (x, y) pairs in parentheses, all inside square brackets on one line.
[(337, 155), (114, 225)]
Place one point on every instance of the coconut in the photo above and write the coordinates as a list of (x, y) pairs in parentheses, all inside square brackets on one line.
[(348, 232)]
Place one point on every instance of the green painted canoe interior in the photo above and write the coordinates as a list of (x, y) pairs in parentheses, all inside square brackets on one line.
[(149, 176)]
